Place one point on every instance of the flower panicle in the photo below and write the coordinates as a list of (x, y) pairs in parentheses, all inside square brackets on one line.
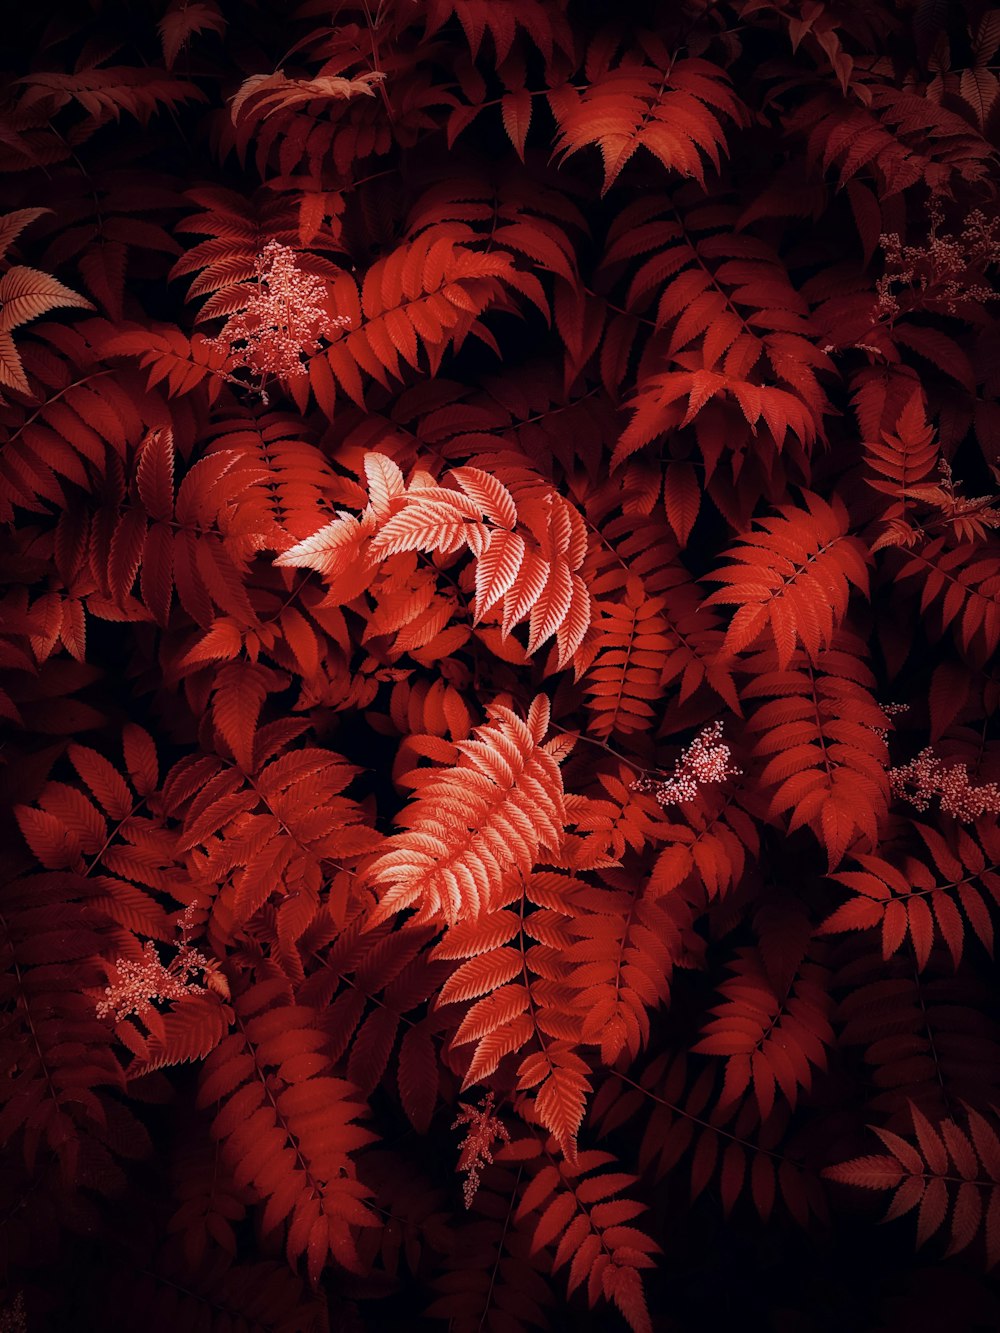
[(140, 983), (706, 761), (484, 1131), (927, 777), (285, 320)]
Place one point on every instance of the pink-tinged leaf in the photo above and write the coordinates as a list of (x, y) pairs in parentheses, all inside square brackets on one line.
[(332, 550), (385, 485), (497, 568)]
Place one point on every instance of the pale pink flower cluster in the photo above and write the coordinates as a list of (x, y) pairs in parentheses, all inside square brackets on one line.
[(927, 776), (944, 272), (890, 710), (484, 1130), (285, 317), (706, 760), (138, 984)]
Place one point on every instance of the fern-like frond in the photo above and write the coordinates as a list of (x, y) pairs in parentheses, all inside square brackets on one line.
[(470, 825), (53, 1096), (821, 737), (179, 363), (103, 94), (184, 20), (962, 584), (734, 1152), (273, 829), (899, 138), (528, 549), (632, 550), (711, 845), (925, 1038), (519, 988), (675, 111), (264, 95), (168, 537), (288, 1127), (723, 302), (793, 579), (918, 897), (78, 418), (771, 1036), (625, 944), (950, 1171), (574, 1207)]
